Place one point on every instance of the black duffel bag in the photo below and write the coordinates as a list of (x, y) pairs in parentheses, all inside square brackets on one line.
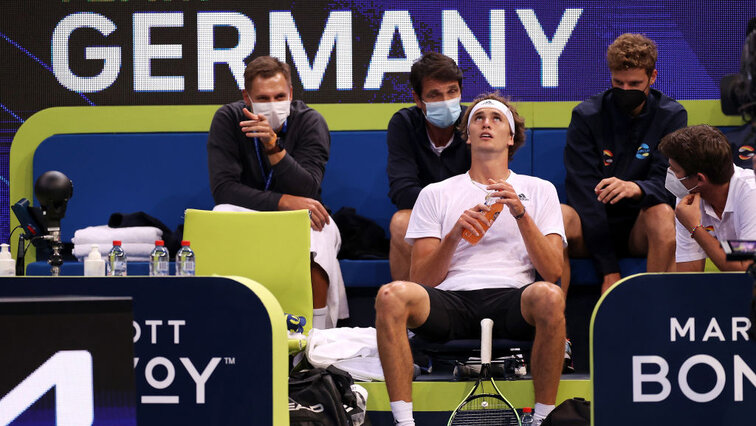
[(323, 397)]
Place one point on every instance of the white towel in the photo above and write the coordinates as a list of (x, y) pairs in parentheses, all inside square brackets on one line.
[(135, 252), (105, 234), (354, 350), (325, 244)]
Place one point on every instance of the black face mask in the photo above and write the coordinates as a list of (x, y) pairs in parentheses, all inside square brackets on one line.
[(628, 100)]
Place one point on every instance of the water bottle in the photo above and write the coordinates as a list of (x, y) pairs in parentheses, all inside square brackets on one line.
[(527, 417), (159, 260), (185, 260), (116, 261)]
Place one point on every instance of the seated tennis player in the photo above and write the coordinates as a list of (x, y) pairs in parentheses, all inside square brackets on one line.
[(456, 283)]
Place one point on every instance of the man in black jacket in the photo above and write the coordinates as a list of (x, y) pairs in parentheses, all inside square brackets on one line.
[(269, 153), (617, 203), (424, 145)]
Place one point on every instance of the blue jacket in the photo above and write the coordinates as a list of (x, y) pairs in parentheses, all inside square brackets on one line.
[(412, 164), (603, 142)]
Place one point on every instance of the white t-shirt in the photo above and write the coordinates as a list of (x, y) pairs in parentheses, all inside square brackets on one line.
[(738, 218), (500, 259)]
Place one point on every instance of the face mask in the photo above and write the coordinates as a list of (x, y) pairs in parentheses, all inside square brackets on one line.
[(275, 112), (675, 185), (628, 100), (443, 114)]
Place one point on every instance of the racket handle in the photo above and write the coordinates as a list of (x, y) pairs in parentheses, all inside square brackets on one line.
[(486, 332)]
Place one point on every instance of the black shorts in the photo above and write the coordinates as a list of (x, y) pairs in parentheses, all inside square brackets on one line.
[(457, 314)]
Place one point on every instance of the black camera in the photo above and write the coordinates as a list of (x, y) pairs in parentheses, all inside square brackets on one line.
[(745, 250), (738, 91)]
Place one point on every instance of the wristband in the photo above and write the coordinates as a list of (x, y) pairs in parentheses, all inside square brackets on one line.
[(520, 216), (693, 231)]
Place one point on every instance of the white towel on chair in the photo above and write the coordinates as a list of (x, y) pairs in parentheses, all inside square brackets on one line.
[(325, 244), (135, 252), (354, 350), (105, 234)]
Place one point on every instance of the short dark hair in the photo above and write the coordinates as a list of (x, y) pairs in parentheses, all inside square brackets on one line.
[(519, 130), (435, 66), (265, 67), (700, 149), (632, 51)]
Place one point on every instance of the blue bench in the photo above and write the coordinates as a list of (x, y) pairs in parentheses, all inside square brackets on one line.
[(163, 174)]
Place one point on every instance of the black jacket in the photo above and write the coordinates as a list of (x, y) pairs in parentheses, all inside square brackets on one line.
[(412, 164), (603, 142), (234, 164)]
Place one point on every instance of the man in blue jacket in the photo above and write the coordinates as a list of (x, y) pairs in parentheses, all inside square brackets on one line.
[(424, 145), (617, 204)]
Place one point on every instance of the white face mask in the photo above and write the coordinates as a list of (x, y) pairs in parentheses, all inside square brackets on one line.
[(275, 112), (675, 185)]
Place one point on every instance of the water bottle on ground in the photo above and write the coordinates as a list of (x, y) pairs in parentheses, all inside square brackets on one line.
[(185, 260), (527, 416), (159, 260), (116, 261)]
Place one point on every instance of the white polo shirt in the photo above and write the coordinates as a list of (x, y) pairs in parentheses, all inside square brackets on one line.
[(738, 220), (500, 259)]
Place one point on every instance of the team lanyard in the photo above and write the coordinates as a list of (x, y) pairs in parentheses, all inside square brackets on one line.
[(258, 151)]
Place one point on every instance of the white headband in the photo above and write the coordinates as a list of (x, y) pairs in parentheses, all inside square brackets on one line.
[(493, 103)]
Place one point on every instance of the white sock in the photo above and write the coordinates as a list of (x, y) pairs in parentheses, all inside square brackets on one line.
[(541, 411), (319, 318), (402, 411)]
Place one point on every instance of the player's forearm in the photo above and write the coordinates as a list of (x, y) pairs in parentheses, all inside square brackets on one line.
[(546, 257), (431, 268), (714, 251)]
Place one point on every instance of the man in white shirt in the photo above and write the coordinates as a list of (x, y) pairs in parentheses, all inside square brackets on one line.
[(716, 200), (461, 283)]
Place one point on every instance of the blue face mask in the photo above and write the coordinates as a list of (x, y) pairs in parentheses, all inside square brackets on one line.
[(443, 114)]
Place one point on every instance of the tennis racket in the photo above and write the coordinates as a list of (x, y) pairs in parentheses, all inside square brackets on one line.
[(480, 407)]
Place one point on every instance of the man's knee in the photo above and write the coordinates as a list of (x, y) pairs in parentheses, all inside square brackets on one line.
[(659, 221), (393, 298), (572, 226), (544, 301), (399, 223)]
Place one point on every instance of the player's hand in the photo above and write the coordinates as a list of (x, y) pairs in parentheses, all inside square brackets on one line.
[(318, 214), (612, 190), (688, 211), (257, 126), (506, 195), (471, 220)]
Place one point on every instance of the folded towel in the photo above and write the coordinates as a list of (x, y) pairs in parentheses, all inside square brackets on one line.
[(104, 233), (354, 350), (135, 252)]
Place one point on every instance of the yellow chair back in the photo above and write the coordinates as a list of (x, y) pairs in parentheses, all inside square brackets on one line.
[(272, 248)]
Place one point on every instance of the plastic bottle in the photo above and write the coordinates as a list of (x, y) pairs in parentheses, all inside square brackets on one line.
[(159, 258), (491, 215), (94, 264), (527, 417), (7, 264), (116, 261), (185, 260)]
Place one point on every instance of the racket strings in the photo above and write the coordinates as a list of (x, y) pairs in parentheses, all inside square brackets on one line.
[(485, 409)]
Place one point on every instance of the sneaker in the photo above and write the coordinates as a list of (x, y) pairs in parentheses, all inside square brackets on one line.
[(568, 367)]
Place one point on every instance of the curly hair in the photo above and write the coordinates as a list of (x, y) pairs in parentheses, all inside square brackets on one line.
[(519, 130), (632, 51)]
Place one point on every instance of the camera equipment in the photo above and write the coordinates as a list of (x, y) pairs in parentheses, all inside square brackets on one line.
[(53, 190), (745, 250), (738, 91)]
